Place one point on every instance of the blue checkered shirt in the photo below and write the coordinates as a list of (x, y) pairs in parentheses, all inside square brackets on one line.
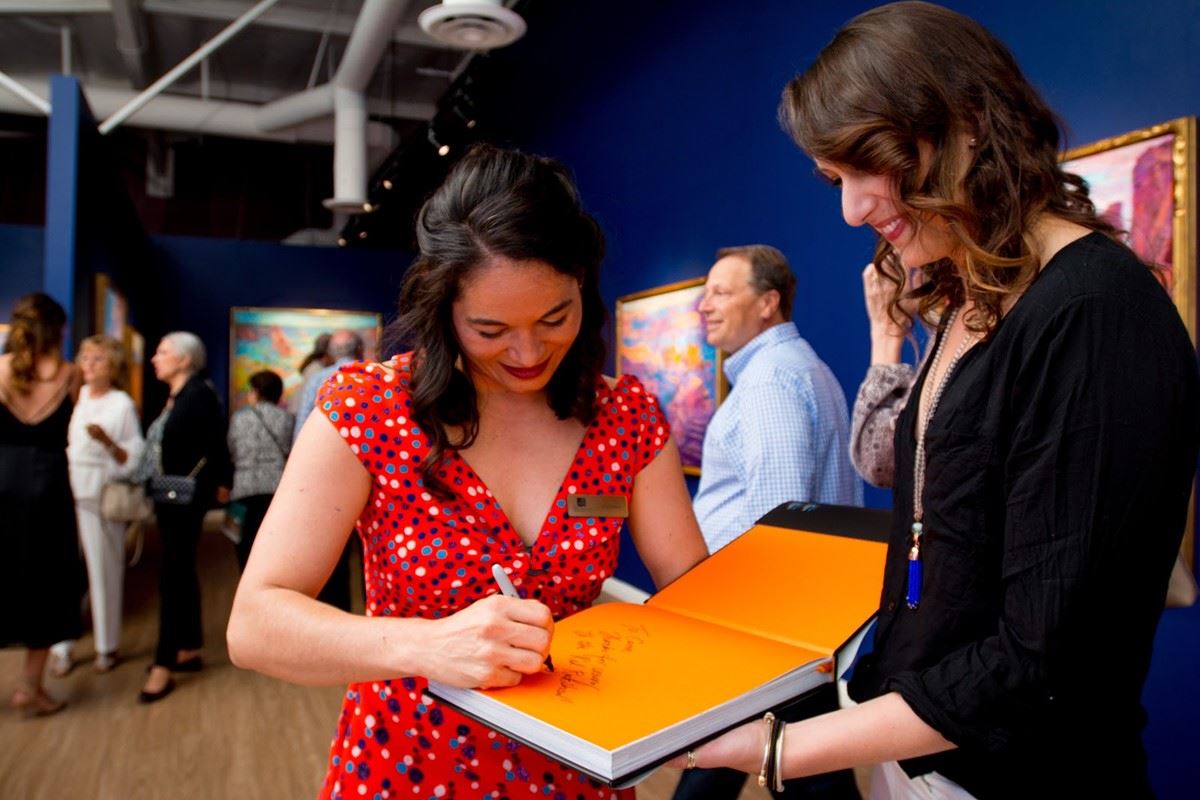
[(782, 434)]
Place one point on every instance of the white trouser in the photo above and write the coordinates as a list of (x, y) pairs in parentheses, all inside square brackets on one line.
[(890, 782), (104, 551)]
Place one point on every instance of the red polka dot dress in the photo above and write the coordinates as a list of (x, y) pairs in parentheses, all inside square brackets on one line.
[(427, 557)]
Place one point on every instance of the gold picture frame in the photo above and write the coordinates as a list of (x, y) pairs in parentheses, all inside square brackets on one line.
[(661, 340), (1144, 182)]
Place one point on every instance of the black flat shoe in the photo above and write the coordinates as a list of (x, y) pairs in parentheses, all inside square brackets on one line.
[(193, 664), (154, 697)]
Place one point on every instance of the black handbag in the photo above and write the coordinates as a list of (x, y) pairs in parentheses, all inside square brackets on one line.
[(176, 490)]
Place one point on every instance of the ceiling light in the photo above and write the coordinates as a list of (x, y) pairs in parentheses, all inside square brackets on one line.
[(472, 24)]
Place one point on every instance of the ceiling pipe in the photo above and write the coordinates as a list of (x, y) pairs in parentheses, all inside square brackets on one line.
[(130, 27), (185, 66), (368, 41), (349, 152), (370, 38), (298, 108)]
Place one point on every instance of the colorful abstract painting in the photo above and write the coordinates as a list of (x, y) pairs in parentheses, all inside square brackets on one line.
[(112, 309), (661, 340), (3, 336), (279, 338), (1133, 187)]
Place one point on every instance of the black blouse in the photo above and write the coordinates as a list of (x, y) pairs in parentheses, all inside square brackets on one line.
[(195, 429), (1060, 461)]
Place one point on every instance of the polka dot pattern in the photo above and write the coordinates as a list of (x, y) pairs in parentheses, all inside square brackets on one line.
[(429, 557)]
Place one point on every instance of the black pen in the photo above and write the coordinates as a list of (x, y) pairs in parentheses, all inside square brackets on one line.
[(508, 590)]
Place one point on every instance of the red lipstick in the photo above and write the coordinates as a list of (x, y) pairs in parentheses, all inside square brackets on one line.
[(527, 373)]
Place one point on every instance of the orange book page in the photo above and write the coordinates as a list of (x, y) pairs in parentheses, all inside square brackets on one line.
[(809, 589), (624, 671)]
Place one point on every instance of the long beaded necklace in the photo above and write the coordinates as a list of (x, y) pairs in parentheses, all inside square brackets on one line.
[(912, 595)]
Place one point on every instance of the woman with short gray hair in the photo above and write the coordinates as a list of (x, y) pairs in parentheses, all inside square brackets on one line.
[(188, 438)]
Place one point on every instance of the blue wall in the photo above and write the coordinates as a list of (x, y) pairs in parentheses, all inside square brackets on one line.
[(21, 268), (667, 117)]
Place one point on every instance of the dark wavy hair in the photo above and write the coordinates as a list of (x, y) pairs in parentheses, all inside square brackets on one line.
[(915, 73), (495, 203), (36, 330)]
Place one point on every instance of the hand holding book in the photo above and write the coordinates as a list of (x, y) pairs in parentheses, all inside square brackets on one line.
[(751, 628), (741, 749)]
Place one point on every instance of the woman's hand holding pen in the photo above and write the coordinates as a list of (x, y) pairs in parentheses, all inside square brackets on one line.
[(492, 642)]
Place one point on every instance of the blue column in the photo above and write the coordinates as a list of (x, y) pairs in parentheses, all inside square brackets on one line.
[(62, 194)]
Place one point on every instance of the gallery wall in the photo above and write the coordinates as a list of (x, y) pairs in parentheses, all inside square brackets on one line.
[(666, 114), (203, 278), (21, 252)]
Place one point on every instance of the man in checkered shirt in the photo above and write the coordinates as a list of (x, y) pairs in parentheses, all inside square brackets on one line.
[(782, 434)]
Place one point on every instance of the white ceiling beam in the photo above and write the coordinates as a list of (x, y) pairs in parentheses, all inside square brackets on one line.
[(55, 7), (26, 94), (295, 19), (191, 115), (180, 69)]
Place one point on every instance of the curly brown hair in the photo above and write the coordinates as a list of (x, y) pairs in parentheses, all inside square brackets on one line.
[(912, 74), (36, 330), (495, 203)]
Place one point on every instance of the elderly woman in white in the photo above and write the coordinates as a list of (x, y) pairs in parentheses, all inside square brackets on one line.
[(104, 442)]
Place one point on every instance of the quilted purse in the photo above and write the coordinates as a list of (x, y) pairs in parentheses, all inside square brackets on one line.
[(176, 490)]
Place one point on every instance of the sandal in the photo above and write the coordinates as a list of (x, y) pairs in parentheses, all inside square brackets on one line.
[(35, 702)]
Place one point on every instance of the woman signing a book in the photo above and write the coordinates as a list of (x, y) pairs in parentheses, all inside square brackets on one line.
[(457, 456), (1044, 463)]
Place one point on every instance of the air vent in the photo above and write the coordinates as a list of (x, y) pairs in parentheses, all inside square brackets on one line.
[(472, 24)]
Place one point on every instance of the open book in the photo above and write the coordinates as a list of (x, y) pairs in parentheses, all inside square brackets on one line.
[(748, 629)]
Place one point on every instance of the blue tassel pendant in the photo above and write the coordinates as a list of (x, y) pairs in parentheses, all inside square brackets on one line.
[(913, 594)]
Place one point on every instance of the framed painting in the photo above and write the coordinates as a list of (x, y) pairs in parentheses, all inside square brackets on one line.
[(279, 338), (661, 340), (112, 310), (3, 336), (1144, 183), (135, 348)]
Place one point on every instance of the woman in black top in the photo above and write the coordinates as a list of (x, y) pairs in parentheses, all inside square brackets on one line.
[(41, 576), (1044, 463), (189, 432)]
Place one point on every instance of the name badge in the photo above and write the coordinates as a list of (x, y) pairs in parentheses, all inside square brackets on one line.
[(597, 505)]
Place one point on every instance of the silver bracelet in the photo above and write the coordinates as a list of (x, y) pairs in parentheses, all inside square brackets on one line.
[(779, 759)]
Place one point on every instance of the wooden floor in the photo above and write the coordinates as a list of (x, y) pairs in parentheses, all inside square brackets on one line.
[(223, 733)]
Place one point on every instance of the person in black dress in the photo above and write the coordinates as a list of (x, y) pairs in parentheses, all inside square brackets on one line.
[(187, 438), (1046, 457), (41, 576)]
